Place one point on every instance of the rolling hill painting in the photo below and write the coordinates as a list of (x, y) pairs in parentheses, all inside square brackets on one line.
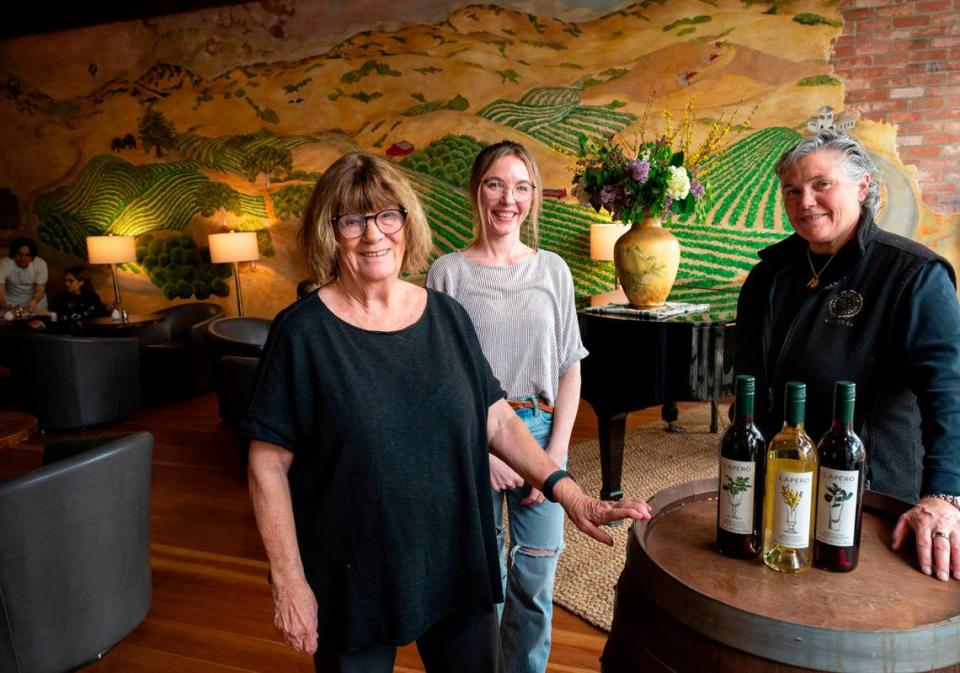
[(169, 129)]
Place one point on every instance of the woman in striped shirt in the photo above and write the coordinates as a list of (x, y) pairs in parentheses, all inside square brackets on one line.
[(520, 299)]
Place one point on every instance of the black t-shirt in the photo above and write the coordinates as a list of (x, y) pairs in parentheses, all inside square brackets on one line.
[(390, 478)]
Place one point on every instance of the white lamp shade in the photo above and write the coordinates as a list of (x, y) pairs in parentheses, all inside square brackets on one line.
[(602, 238), (240, 246), (111, 249)]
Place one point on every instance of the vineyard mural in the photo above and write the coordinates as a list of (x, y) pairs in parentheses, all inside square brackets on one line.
[(172, 128)]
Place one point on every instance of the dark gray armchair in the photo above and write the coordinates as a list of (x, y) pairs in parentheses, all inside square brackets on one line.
[(75, 382), (235, 348), (175, 358), (75, 554)]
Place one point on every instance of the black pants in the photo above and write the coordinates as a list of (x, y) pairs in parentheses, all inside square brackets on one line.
[(461, 643)]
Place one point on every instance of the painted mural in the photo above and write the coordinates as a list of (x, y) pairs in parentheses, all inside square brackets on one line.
[(170, 129)]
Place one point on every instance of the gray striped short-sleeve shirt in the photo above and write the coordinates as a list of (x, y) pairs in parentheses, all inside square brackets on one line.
[(524, 315)]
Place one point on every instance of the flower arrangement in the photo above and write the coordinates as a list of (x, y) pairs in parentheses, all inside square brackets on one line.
[(656, 178)]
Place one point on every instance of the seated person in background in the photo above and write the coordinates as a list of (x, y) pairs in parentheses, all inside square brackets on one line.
[(23, 277), (305, 287), (77, 302)]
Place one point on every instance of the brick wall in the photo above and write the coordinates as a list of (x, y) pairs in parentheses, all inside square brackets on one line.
[(900, 62)]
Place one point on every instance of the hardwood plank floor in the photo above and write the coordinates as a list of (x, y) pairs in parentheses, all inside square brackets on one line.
[(212, 609)]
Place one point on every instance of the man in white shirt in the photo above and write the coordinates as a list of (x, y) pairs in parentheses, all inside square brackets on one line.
[(23, 277)]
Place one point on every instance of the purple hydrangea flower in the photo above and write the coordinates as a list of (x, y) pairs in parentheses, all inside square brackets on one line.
[(696, 188), (609, 196), (639, 170), (668, 203)]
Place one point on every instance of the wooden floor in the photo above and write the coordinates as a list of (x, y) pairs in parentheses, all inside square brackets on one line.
[(212, 609)]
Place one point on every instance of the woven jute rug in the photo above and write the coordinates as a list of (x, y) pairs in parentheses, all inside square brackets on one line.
[(652, 460)]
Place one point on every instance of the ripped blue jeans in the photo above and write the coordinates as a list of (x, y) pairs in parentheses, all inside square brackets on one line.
[(528, 569)]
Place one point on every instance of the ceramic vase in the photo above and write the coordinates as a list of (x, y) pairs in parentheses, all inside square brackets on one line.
[(646, 259)]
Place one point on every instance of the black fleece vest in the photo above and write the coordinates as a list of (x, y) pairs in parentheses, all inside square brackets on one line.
[(852, 327)]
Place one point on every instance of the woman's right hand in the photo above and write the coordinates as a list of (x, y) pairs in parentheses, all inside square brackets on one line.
[(502, 476), (295, 615)]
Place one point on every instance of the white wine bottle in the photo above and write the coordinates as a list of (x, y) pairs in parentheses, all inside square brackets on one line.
[(790, 486)]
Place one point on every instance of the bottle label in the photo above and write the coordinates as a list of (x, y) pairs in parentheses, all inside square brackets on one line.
[(737, 479), (791, 509), (837, 506)]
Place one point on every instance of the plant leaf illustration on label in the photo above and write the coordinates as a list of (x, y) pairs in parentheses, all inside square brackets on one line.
[(792, 499), (735, 489), (836, 497)]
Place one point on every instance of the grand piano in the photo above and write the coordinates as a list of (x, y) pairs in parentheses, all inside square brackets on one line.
[(636, 363)]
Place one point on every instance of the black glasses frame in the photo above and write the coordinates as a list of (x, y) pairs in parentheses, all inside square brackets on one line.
[(366, 221)]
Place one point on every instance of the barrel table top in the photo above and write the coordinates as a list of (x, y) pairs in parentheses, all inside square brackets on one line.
[(886, 602)]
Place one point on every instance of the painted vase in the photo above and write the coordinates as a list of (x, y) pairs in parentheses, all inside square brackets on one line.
[(646, 259)]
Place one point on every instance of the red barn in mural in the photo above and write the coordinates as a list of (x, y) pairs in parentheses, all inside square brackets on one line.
[(400, 149)]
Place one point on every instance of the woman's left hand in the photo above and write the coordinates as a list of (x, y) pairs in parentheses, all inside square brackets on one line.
[(588, 514), (936, 525)]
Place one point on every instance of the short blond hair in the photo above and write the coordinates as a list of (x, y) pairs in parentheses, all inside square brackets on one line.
[(487, 157), (360, 183)]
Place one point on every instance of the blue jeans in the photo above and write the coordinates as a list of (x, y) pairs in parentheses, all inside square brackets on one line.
[(536, 538)]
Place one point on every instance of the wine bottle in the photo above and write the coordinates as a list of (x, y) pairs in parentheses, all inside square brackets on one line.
[(840, 492), (789, 489), (740, 502)]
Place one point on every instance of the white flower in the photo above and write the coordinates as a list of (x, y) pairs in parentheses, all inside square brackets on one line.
[(678, 184)]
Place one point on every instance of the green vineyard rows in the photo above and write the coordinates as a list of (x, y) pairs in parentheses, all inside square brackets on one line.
[(555, 117)]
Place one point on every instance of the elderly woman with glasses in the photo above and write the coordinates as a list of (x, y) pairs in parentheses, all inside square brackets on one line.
[(23, 277), (520, 299), (370, 425), (841, 299)]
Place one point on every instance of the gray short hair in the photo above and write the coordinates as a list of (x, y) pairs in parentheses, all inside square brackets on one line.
[(854, 159)]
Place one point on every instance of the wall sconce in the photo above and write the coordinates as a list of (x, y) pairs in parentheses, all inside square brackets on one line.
[(240, 246), (112, 250), (603, 236)]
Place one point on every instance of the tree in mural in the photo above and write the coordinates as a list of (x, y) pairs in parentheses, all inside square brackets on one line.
[(216, 196), (267, 160), (156, 131)]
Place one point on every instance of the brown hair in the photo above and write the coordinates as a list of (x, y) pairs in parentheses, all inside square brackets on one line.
[(487, 157), (360, 183), (82, 274)]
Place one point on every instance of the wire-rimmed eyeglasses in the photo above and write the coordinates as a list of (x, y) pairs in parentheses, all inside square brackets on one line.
[(353, 225), (522, 191)]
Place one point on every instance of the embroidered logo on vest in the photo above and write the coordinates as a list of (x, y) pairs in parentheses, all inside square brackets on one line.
[(846, 305)]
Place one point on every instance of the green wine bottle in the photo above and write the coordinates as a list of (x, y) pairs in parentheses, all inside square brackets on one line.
[(740, 501), (840, 493)]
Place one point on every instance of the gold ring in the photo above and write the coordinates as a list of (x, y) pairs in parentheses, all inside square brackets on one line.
[(940, 533)]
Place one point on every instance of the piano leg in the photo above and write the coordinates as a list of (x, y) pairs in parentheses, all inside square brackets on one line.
[(714, 416), (669, 413), (611, 430)]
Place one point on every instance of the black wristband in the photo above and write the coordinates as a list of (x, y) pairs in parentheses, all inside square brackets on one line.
[(551, 481)]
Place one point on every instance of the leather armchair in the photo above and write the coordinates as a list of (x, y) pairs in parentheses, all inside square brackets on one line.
[(74, 382), (75, 557), (235, 348), (175, 358)]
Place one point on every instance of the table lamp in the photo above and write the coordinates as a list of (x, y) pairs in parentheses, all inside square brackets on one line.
[(603, 236), (112, 250), (239, 246)]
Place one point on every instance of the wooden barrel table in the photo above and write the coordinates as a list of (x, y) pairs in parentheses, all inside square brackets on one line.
[(681, 607)]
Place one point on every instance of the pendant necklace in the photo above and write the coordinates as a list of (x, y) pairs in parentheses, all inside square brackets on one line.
[(815, 280)]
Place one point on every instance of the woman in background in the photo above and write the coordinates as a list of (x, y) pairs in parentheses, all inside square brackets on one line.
[(78, 301), (520, 299)]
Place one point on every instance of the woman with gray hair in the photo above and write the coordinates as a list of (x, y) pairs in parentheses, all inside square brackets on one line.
[(841, 299)]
